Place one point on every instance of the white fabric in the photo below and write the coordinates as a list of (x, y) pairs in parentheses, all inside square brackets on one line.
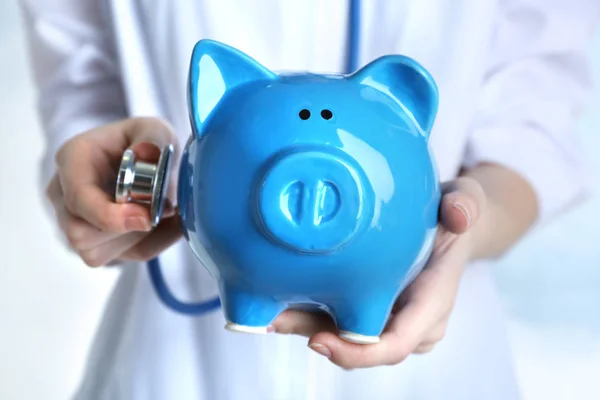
[(512, 75)]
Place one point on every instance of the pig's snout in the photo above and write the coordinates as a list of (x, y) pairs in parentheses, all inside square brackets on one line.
[(312, 200)]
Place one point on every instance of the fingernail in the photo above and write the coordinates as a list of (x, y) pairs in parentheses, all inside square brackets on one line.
[(137, 224), (321, 349), (169, 208), (464, 212), (168, 213), (270, 329)]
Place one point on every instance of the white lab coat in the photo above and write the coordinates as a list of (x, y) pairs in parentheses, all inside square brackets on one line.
[(511, 75)]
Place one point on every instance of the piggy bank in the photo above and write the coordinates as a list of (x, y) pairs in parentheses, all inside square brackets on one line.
[(309, 190)]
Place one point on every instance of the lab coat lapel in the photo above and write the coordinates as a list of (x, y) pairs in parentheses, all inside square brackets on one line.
[(138, 77)]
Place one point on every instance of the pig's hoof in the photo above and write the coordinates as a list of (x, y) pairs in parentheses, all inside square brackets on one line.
[(261, 330), (359, 339)]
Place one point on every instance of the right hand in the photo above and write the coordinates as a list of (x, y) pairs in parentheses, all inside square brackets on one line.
[(98, 229)]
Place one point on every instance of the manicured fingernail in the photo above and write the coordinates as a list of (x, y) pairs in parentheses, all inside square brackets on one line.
[(270, 329), (321, 349), (464, 212), (137, 224)]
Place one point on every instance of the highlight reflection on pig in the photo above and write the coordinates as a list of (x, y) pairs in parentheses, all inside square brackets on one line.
[(309, 190)]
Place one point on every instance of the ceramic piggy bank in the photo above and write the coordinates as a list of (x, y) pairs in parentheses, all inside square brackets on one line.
[(309, 190)]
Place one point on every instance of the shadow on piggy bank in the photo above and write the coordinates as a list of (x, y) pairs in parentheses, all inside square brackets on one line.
[(309, 190)]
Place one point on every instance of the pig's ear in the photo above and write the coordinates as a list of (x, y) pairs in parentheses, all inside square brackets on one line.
[(215, 70), (407, 83)]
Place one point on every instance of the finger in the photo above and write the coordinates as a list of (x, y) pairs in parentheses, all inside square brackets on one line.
[(80, 234), (150, 130), (53, 190), (424, 348), (81, 184), (114, 138), (303, 323), (146, 136), (404, 335), (351, 355), (170, 210), (167, 233), (135, 246), (94, 205), (432, 338), (462, 202), (109, 251)]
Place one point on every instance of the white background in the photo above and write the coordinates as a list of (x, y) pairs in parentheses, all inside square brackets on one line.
[(50, 302)]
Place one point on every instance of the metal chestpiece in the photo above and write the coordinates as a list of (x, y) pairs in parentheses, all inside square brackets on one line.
[(145, 183)]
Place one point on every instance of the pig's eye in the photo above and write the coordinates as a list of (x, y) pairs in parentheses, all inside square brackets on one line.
[(304, 114), (326, 114)]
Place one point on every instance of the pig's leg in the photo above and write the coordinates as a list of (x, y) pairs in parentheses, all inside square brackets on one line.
[(249, 313), (362, 319)]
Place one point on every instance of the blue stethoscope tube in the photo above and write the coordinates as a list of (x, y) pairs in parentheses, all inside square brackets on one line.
[(154, 268), (165, 295)]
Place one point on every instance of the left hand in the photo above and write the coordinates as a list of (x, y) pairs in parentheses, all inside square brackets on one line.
[(420, 315)]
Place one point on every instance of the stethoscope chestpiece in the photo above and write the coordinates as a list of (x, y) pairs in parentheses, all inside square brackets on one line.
[(145, 183)]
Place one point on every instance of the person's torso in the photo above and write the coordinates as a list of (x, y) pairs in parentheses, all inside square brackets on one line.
[(146, 351)]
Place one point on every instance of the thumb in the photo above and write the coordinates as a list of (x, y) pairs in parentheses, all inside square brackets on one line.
[(147, 136), (463, 201)]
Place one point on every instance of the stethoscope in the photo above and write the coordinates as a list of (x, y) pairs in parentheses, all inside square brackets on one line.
[(143, 182)]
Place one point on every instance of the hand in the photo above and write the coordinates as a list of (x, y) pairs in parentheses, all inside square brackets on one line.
[(420, 315), (99, 230)]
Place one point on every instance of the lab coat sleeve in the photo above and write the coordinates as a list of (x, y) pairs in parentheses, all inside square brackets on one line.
[(536, 84), (75, 70)]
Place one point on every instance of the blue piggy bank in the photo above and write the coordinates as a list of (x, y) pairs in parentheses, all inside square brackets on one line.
[(309, 190)]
